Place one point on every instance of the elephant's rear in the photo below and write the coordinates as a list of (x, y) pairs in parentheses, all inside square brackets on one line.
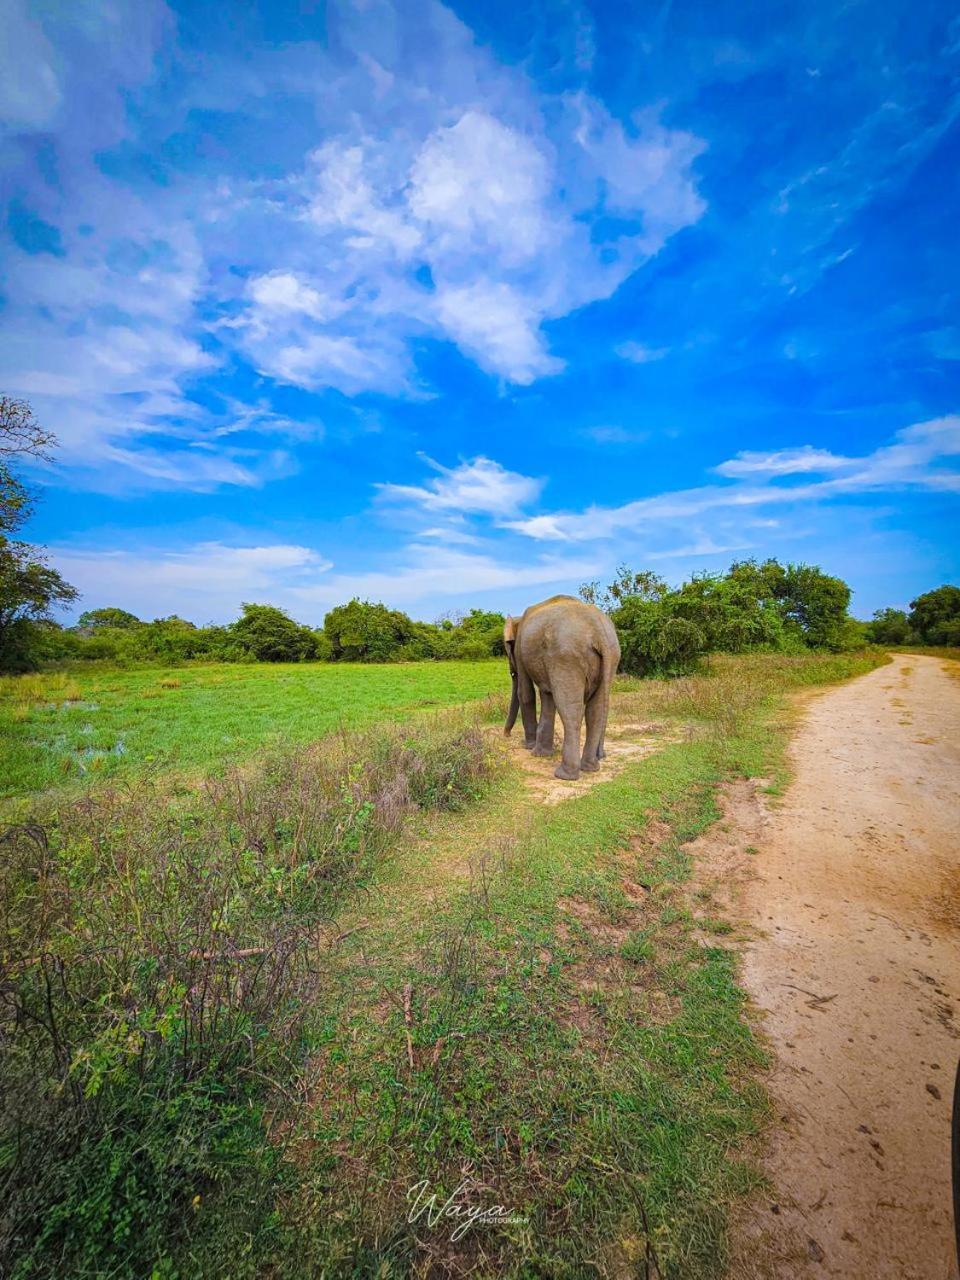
[(573, 634)]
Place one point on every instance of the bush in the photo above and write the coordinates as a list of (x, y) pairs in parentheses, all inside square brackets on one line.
[(159, 958), (888, 626), (935, 614), (752, 606), (270, 635), (653, 642), (365, 632)]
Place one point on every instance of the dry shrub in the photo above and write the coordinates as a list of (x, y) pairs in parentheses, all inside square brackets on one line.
[(158, 955), (732, 687)]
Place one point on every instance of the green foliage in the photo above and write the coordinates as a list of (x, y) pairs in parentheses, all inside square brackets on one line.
[(935, 616), (96, 619), (365, 632), (888, 626), (270, 635), (161, 959), (478, 634), (653, 640), (29, 589), (752, 606), (21, 435), (814, 602), (642, 584)]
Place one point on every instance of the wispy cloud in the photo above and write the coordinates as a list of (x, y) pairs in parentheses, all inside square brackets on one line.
[(478, 487), (910, 461), (204, 582), (637, 353), (784, 462), (209, 581)]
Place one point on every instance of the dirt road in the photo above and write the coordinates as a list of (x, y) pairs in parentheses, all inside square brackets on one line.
[(855, 914)]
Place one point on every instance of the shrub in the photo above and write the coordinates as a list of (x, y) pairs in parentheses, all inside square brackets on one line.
[(159, 957), (271, 635), (888, 626), (652, 641), (94, 619), (365, 632), (752, 606), (934, 615)]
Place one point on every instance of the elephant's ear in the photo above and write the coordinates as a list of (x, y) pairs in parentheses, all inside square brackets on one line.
[(510, 630)]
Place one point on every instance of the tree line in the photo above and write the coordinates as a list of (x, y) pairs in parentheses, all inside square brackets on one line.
[(359, 631), (756, 605), (663, 629)]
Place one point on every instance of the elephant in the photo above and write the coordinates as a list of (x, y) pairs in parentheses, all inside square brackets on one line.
[(569, 650)]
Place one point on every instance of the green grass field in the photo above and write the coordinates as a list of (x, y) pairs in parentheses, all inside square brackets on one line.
[(245, 1019), (70, 728)]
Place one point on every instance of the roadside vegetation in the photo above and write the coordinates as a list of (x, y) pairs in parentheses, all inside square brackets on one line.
[(243, 1019)]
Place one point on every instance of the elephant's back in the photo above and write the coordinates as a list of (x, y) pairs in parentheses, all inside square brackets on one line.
[(564, 625)]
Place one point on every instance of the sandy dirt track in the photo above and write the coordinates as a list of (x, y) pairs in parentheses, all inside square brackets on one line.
[(853, 907)]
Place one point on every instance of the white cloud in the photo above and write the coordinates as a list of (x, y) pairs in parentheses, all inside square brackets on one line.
[(783, 462), (494, 324), (481, 186), (478, 487), (644, 172), (438, 194), (29, 88), (282, 291), (325, 360), (445, 574), (637, 353), (473, 221), (208, 582), (205, 582), (909, 462)]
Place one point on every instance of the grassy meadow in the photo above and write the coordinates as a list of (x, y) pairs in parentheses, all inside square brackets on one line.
[(69, 728), (246, 1017)]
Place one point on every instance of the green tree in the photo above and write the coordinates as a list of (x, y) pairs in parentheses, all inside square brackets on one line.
[(935, 616), (478, 634), (29, 588), (734, 612), (888, 626), (654, 641), (641, 583), (21, 436), (817, 603), (361, 631), (95, 619), (271, 635), (29, 591)]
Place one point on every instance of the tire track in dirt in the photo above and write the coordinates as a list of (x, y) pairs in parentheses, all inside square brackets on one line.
[(852, 900)]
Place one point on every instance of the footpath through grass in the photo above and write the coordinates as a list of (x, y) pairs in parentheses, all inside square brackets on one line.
[(409, 981), (77, 727)]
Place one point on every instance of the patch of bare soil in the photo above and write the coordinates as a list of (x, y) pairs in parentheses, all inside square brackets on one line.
[(626, 742), (851, 901)]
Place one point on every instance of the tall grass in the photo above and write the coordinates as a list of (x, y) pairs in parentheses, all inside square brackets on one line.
[(158, 957), (733, 688)]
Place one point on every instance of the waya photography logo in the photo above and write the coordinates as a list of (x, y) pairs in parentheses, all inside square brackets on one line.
[(457, 1209)]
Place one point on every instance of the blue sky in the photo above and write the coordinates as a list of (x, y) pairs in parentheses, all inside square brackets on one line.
[(456, 305)]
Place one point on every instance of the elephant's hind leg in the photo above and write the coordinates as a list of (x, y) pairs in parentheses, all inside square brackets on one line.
[(571, 713), (596, 723), (545, 730)]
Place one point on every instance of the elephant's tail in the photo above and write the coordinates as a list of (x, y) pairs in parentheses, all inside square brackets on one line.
[(514, 708)]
